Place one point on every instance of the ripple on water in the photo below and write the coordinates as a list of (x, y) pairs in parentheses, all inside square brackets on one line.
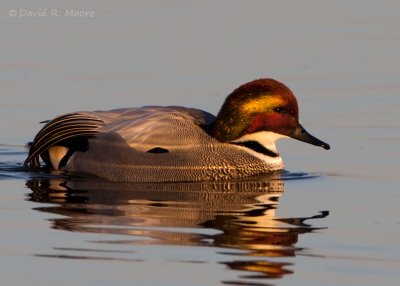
[(10, 162)]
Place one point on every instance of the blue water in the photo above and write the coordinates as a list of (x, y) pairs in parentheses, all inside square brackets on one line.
[(331, 219)]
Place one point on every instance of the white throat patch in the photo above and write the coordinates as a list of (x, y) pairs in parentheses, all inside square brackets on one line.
[(265, 138)]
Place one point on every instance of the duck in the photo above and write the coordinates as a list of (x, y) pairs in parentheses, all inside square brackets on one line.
[(174, 143)]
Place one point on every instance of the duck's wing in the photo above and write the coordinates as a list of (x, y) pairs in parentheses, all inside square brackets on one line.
[(62, 128), (159, 128), (147, 129)]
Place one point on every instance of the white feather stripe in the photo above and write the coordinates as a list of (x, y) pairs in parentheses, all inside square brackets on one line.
[(265, 138)]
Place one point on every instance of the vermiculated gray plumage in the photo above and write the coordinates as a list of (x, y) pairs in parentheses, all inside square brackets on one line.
[(119, 141)]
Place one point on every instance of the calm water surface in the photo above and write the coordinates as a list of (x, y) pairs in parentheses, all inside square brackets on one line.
[(331, 219)]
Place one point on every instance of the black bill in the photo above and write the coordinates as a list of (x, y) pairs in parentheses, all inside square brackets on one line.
[(301, 134)]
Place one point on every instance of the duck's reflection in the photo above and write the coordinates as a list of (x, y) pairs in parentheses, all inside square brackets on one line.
[(236, 215)]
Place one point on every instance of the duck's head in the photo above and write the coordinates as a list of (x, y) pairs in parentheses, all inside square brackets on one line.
[(262, 110)]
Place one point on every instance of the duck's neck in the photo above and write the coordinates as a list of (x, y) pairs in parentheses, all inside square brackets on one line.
[(231, 130), (227, 127)]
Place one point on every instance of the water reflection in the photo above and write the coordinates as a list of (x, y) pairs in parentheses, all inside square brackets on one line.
[(238, 216)]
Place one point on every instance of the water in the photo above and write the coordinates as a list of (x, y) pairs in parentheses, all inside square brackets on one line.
[(332, 219)]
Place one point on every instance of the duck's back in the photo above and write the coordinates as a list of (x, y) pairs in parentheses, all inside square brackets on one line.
[(150, 127)]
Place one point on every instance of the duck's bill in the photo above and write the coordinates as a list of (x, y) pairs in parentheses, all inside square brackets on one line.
[(301, 134)]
